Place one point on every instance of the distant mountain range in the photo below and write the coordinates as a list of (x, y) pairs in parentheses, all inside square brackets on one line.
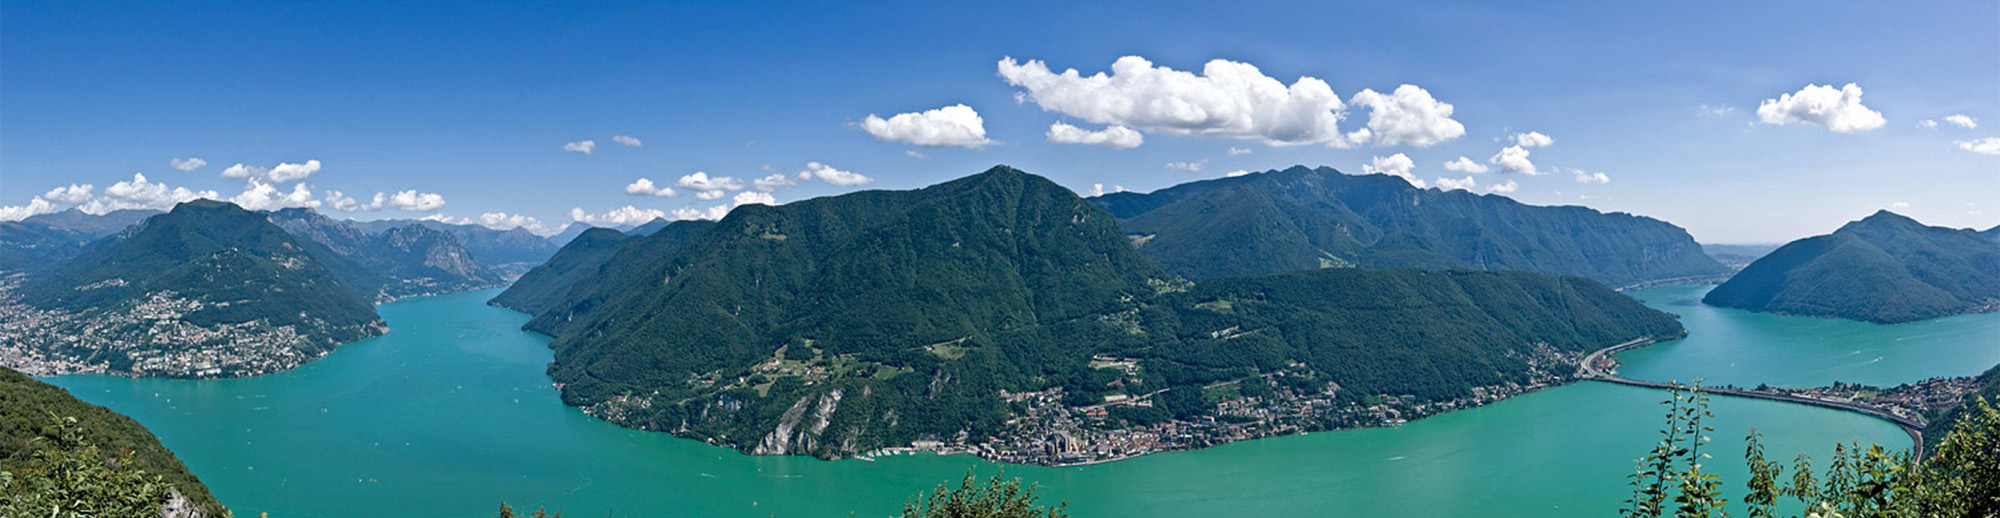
[(396, 262), (837, 325), (1886, 268), (44, 239), (1737, 256), (1302, 218), (506, 250)]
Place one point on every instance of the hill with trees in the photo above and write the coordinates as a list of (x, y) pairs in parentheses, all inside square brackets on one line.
[(1886, 268), (1301, 218), (541, 286), (837, 325), (37, 437)]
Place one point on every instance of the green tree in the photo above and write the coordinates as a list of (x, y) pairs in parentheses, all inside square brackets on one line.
[(74, 479), (995, 498)]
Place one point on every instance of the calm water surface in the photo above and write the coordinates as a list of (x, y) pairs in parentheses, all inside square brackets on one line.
[(450, 413)]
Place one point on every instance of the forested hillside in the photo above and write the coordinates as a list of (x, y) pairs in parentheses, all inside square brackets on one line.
[(836, 325), (540, 287), (29, 415), (1885, 268), (1303, 218)]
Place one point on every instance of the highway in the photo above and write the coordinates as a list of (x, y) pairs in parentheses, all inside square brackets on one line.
[(1592, 371)]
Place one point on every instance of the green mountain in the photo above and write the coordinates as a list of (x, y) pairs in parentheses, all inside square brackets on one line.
[(222, 280), (836, 325), (1303, 218), (92, 225), (397, 262), (1885, 268), (1941, 423), (541, 286), (569, 233), (27, 411)]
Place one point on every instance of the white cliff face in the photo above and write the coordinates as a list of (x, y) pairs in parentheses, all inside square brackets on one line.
[(790, 436), (178, 506)]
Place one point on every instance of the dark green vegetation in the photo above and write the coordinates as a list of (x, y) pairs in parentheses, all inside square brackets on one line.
[(1885, 268), (558, 288), (1942, 422), (44, 239), (837, 325), (994, 498), (1960, 478), (234, 262), (396, 262), (48, 454), (542, 286), (1303, 218)]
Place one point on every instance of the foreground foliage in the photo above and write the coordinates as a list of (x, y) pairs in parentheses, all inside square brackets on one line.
[(1961, 477), (70, 477), (35, 446), (994, 498)]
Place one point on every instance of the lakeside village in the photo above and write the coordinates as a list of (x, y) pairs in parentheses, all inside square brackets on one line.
[(148, 338)]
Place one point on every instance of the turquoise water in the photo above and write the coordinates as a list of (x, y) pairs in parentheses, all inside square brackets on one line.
[(450, 413)]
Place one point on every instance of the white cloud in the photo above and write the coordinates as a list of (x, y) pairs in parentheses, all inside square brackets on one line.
[(1114, 136), (774, 181), (1532, 139), (72, 194), (718, 211), (619, 217), (286, 172), (1408, 115), (710, 195), (1503, 188), (1900, 205), (754, 197), (1466, 165), (1228, 100), (142, 194), (581, 146), (500, 221), (700, 181), (1927, 124), (645, 187), (1838, 110), (1589, 177), (415, 201), (340, 201), (258, 195), (1983, 146), (1465, 184), (1239, 151), (1715, 111), (912, 153), (19, 212), (187, 164), (1962, 121), (1188, 166), (626, 140), (957, 125), (1236, 173), (244, 171), (828, 174), (1514, 159), (1398, 165)]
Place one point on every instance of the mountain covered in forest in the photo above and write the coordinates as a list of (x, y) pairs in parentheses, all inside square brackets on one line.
[(34, 417), (578, 259), (1302, 218), (397, 262), (836, 325), (1886, 268), (44, 239), (206, 289)]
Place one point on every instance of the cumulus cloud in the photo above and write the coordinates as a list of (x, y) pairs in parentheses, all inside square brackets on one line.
[(626, 140), (1589, 177), (1900, 205), (1983, 146), (1228, 100), (1962, 121), (1839, 110), (1398, 165), (710, 195), (619, 217), (1194, 166), (1114, 136), (1408, 115), (581, 146), (828, 174), (35, 206), (774, 182), (1239, 151), (284, 172), (1464, 184), (139, 193), (187, 164), (1514, 159), (72, 194), (340, 201), (957, 125), (409, 200), (1097, 189), (242, 171), (416, 201), (1715, 111), (1927, 124), (258, 195), (700, 181), (505, 221), (1532, 139), (1466, 165), (1503, 188), (912, 153), (1236, 173), (645, 187), (718, 211), (754, 197)]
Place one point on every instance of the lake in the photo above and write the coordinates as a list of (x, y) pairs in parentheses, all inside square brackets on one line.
[(450, 414)]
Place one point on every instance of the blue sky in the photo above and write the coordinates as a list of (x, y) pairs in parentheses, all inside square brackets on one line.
[(475, 102)]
